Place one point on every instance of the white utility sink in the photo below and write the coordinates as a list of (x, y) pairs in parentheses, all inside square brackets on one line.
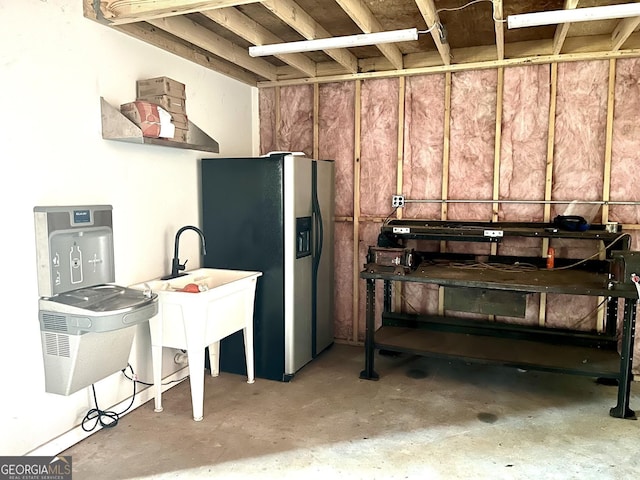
[(193, 321)]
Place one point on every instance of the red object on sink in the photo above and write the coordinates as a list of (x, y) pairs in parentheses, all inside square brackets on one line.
[(191, 288)]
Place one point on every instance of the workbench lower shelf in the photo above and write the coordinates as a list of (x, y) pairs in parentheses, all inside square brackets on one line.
[(525, 354)]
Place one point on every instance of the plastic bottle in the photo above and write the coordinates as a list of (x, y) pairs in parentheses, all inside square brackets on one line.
[(551, 257)]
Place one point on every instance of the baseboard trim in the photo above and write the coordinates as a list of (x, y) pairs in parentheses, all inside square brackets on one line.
[(77, 434)]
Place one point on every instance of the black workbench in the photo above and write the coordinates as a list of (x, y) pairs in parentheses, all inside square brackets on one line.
[(588, 353)]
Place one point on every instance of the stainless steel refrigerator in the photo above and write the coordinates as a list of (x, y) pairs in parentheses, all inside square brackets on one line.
[(274, 214)]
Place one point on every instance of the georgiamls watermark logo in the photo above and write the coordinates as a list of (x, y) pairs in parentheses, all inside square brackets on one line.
[(35, 468)]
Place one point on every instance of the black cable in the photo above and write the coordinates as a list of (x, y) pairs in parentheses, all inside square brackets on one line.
[(106, 418), (389, 216), (151, 384)]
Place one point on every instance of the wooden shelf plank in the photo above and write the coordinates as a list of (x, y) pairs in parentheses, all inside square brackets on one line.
[(511, 352)]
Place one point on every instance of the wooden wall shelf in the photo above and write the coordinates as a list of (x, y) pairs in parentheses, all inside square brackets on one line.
[(115, 126)]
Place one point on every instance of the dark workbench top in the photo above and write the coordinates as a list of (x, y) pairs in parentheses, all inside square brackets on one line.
[(505, 277)]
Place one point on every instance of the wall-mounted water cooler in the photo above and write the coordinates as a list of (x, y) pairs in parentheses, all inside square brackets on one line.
[(87, 323)]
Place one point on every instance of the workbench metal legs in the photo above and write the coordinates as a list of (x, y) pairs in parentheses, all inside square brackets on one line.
[(369, 351), (622, 410)]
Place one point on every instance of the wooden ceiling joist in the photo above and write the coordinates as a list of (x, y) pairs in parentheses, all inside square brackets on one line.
[(151, 35), (198, 35), (623, 31), (118, 12), (499, 28), (243, 26), (562, 29), (428, 10), (291, 13), (216, 34), (480, 58), (368, 23)]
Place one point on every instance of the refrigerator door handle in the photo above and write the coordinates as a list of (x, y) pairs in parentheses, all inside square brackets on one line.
[(317, 218)]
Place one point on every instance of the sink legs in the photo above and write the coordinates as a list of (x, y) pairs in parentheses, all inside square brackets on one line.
[(196, 381), (247, 334), (156, 358), (214, 359)]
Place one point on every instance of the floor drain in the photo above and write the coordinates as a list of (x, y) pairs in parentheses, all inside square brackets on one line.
[(487, 417)]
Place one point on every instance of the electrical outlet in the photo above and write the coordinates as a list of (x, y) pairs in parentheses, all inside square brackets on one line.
[(397, 201)]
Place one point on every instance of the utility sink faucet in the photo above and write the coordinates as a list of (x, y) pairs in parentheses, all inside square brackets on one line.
[(176, 266)]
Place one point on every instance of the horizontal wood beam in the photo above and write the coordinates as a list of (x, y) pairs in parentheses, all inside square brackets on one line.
[(118, 12), (192, 32), (562, 29), (428, 10), (623, 30), (575, 46), (291, 13), (156, 37), (368, 23), (245, 27)]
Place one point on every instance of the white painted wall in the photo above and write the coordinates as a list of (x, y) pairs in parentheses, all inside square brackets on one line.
[(54, 66)]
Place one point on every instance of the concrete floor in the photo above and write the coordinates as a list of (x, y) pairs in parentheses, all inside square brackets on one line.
[(424, 419)]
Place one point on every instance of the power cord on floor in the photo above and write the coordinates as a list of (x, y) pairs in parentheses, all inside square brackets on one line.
[(106, 418)]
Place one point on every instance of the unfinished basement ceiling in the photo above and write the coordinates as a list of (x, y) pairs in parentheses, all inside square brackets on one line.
[(217, 34)]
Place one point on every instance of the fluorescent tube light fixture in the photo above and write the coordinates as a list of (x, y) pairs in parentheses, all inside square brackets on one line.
[(555, 17), (335, 42)]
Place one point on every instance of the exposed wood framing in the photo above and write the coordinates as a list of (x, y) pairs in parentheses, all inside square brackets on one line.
[(430, 15), (623, 31), (316, 120), (398, 286), (189, 30), (562, 29), (117, 12), (245, 27), (606, 184), (153, 36), (497, 152), (548, 182), (445, 171), (290, 12), (476, 60), (400, 157), (278, 118), (368, 23), (356, 211), (499, 27), (446, 143)]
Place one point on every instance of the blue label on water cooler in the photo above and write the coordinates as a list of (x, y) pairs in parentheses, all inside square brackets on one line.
[(81, 216)]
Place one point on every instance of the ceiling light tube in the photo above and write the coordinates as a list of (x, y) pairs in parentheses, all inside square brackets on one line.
[(555, 17), (335, 42)]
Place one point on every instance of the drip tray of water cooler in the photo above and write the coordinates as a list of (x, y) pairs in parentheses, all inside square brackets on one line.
[(87, 324)]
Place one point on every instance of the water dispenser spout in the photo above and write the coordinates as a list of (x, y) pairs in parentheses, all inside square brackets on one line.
[(176, 266)]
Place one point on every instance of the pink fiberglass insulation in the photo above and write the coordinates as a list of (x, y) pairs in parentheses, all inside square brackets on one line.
[(420, 298), (581, 120), (267, 112), (378, 146), (295, 132), (368, 235), (625, 162), (575, 312), (523, 155), (336, 118), (521, 246), (423, 144), (343, 281), (472, 140)]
